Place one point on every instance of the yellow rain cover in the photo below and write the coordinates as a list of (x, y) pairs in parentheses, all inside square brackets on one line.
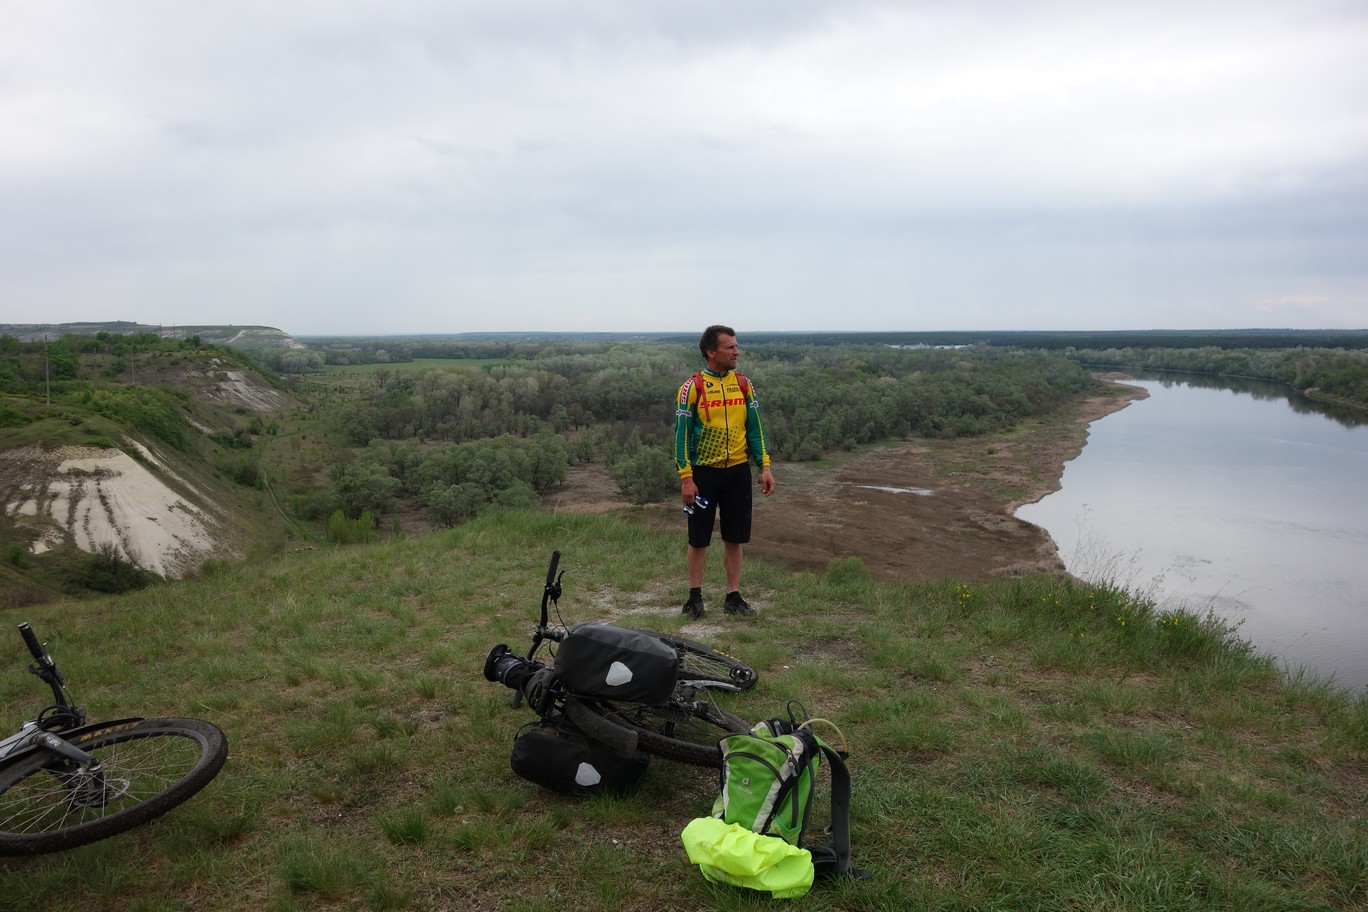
[(729, 853)]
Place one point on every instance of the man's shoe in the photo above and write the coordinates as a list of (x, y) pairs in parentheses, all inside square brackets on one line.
[(735, 604), (693, 608)]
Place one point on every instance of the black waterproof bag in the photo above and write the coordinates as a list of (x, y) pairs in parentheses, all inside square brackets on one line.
[(556, 755), (615, 663)]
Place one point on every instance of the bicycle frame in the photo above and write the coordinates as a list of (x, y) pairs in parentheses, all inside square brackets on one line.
[(677, 723), (551, 594)]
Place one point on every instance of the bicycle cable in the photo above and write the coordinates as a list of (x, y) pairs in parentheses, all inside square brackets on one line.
[(59, 718)]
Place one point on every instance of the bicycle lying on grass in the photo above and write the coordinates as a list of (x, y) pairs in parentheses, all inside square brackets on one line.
[(627, 689), (64, 783)]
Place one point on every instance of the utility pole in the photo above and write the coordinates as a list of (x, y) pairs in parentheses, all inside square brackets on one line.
[(47, 370)]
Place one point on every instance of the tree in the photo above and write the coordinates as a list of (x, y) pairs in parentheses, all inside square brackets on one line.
[(346, 531), (453, 504), (647, 476), (366, 488)]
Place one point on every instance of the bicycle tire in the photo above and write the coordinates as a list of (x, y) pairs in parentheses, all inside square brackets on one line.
[(157, 763), (682, 730), (700, 662)]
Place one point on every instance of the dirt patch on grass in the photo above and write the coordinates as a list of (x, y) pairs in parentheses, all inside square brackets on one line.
[(919, 510)]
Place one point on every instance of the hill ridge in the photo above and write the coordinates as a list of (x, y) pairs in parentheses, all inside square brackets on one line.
[(246, 337)]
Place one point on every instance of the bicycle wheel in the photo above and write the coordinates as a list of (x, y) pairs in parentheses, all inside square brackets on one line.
[(685, 729), (47, 803), (701, 663)]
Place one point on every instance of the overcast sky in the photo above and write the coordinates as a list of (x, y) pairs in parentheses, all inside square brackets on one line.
[(348, 166)]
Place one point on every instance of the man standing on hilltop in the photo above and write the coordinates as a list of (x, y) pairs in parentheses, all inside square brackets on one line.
[(717, 431)]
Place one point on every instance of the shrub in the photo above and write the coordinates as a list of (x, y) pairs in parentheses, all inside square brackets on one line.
[(647, 476), (10, 418), (351, 531), (846, 571), (109, 570), (243, 468)]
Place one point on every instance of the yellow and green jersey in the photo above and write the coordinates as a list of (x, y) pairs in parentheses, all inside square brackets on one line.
[(717, 423)]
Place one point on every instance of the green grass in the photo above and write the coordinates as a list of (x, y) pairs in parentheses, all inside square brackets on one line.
[(1013, 745)]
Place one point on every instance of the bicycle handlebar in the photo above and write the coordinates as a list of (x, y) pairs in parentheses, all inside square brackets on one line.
[(45, 668), (40, 654), (550, 593), (551, 571)]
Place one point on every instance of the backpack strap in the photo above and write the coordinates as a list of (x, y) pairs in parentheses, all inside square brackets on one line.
[(700, 385), (833, 859)]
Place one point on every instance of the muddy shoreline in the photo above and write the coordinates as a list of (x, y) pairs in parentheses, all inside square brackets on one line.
[(935, 510)]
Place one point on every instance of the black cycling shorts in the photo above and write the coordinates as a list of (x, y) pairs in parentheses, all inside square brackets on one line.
[(727, 490)]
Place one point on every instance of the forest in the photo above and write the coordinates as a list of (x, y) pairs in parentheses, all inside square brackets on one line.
[(463, 438)]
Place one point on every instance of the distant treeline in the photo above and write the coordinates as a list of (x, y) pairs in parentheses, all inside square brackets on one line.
[(1340, 375), (292, 360), (350, 350), (1157, 338), (815, 399), (1331, 362)]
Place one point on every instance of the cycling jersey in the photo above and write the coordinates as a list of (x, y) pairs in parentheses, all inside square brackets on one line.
[(719, 425)]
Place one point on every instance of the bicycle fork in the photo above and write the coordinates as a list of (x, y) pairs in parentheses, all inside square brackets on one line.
[(83, 775)]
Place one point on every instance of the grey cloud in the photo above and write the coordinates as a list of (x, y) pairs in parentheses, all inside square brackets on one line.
[(516, 165)]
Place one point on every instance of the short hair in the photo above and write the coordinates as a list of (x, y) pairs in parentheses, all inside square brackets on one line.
[(709, 340)]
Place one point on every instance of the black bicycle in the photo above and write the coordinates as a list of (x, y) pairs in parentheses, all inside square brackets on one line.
[(64, 783), (627, 689)]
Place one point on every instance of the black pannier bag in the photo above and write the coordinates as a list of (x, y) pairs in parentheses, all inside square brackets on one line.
[(603, 660), (555, 755)]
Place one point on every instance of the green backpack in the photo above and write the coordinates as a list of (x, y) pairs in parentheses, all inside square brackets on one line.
[(768, 783)]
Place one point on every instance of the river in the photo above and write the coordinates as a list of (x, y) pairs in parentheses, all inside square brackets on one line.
[(1240, 500)]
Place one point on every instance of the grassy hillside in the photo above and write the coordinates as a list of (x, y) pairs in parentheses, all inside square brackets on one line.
[(192, 415), (1027, 745)]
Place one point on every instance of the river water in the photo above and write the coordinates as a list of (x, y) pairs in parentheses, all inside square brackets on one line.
[(1237, 500)]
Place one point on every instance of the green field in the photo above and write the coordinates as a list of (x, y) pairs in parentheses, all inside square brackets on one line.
[(1029, 744)]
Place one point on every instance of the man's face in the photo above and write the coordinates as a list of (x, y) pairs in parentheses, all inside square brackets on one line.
[(723, 358)]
